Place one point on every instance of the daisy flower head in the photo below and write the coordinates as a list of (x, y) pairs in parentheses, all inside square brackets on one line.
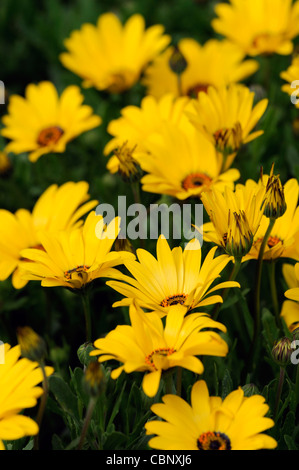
[(43, 122), (149, 346), (259, 26), (111, 56), (58, 208), (215, 63), (227, 116), (210, 423), (74, 258), (19, 389), (291, 75), (174, 277)]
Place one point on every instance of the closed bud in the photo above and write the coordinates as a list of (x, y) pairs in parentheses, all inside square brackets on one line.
[(275, 204), (239, 238), (83, 353), (94, 379), (32, 345), (250, 389), (282, 351), (128, 167), (123, 244), (177, 61)]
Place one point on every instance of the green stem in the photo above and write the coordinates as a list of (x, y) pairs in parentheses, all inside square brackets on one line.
[(232, 277), (180, 88), (257, 293), (278, 392), (42, 406), (89, 412), (86, 309), (274, 294), (179, 381)]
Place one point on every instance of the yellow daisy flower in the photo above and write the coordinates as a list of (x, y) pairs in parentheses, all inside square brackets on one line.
[(216, 63), (58, 208), (291, 75), (43, 122), (19, 379), (293, 280), (259, 26), (175, 277), (73, 258), (226, 116), (290, 309), (182, 163), (110, 56), (284, 237), (235, 217), (131, 130), (210, 423), (148, 346)]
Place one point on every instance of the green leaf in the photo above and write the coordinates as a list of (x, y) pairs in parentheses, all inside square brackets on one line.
[(290, 443), (227, 384), (64, 396), (115, 441)]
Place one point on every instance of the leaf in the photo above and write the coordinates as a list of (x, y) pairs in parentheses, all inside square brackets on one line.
[(114, 441), (290, 443), (64, 396), (227, 384)]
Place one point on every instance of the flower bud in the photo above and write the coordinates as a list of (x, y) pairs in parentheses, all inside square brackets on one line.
[(123, 244), (275, 204), (128, 167), (282, 351), (83, 353), (177, 61), (32, 345), (250, 389), (94, 379), (239, 238)]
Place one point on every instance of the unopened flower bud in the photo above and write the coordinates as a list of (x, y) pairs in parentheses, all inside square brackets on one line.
[(239, 238), (83, 353), (177, 61), (94, 378), (250, 389), (282, 351), (32, 345), (275, 204), (128, 168)]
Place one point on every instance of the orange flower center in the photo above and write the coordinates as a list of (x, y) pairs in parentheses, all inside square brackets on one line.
[(174, 300), (79, 270), (193, 91), (272, 241), (49, 136), (157, 356), (213, 441), (196, 180)]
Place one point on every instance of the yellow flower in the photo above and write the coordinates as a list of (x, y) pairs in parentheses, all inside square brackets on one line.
[(43, 122), (136, 124), (58, 208), (110, 56), (293, 281), (235, 217), (148, 346), (175, 277), (290, 309), (275, 204), (259, 26), (18, 390), (284, 237), (216, 63), (210, 423), (226, 117), (291, 75), (73, 258)]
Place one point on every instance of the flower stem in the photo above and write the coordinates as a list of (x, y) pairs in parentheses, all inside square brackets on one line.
[(89, 412), (232, 277), (86, 309), (42, 406), (257, 293), (278, 392), (274, 293)]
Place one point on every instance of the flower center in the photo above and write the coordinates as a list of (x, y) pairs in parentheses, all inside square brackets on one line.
[(193, 91), (228, 138), (196, 180), (80, 270), (272, 241), (156, 358), (174, 300), (213, 441), (49, 136)]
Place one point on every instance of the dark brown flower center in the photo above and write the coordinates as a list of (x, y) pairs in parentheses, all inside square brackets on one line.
[(49, 136), (80, 270), (158, 355), (193, 91), (213, 441), (174, 300), (196, 180)]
